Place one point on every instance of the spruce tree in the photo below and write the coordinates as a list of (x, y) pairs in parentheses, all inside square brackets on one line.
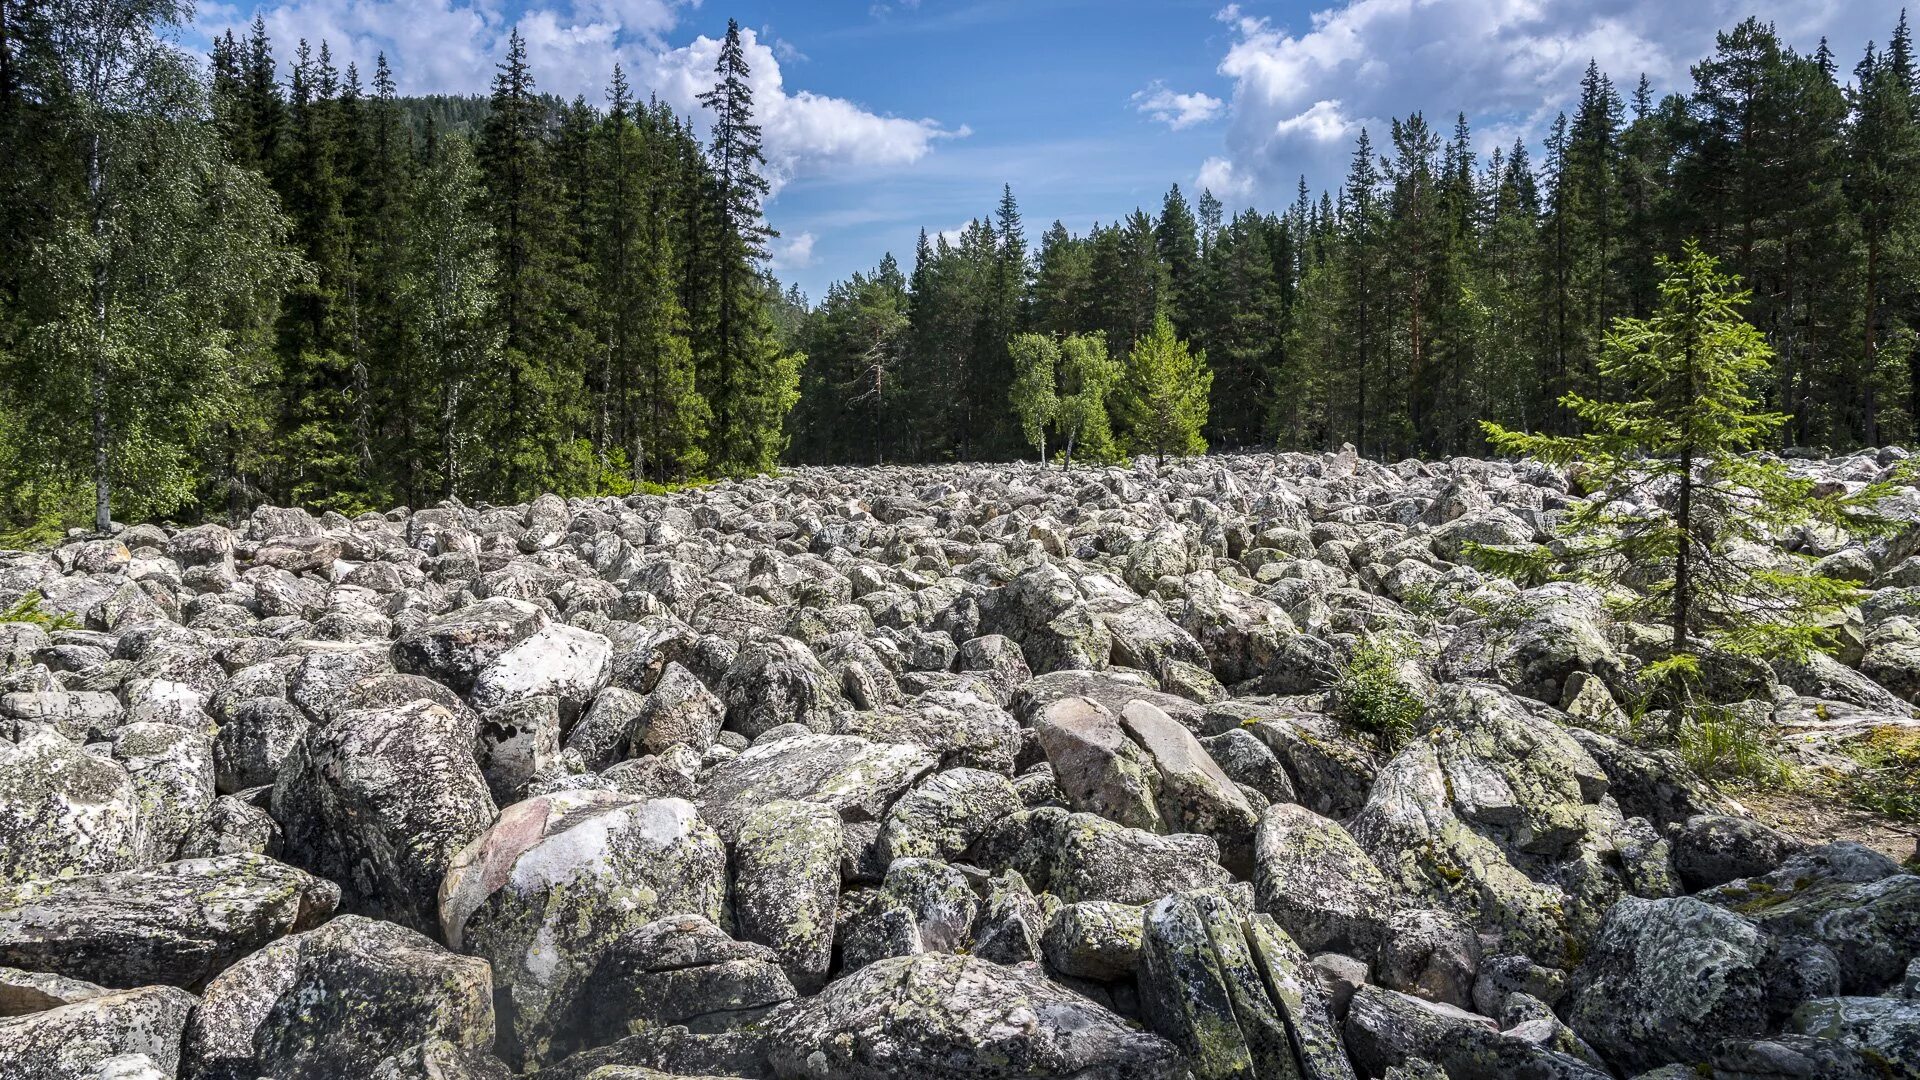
[(747, 380), (1677, 436)]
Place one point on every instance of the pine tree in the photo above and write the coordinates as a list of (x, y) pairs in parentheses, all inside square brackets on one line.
[(534, 412), (1883, 185), (1362, 303), (1177, 239)]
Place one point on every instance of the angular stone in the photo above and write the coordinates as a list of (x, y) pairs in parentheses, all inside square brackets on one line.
[(77, 1041), (786, 884), (63, 811), (380, 800), (341, 1000), (943, 1017), (178, 924), (556, 879), (857, 778)]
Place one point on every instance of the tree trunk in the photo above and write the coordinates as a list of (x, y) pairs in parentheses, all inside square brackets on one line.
[(1682, 568), (96, 195)]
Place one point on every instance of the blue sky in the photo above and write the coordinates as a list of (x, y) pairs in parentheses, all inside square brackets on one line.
[(886, 116)]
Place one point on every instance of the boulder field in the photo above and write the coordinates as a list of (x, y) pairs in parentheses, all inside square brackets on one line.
[(941, 773)]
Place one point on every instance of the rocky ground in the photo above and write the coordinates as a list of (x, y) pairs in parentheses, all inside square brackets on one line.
[(944, 772)]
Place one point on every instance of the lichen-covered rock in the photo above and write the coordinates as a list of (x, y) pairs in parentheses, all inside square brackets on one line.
[(453, 649), (943, 815), (173, 781), (1184, 991), (963, 727), (776, 680), (379, 801), (1884, 1031), (178, 924), (542, 893), (678, 970), (1713, 849), (1042, 611), (256, 738), (1872, 928), (786, 884), (341, 1000), (857, 778), (1386, 1029), (232, 826), (63, 811), (1194, 794), (1429, 954), (678, 711), (78, 1041), (81, 715), (1008, 928), (516, 743), (1318, 884), (563, 662), (943, 1017), (1560, 632), (1496, 814), (1094, 859), (922, 905), (23, 992), (1667, 980)]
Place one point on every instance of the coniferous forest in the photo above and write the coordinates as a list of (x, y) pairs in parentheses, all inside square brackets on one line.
[(263, 276)]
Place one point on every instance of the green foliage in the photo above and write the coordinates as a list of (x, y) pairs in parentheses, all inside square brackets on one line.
[(1375, 697), (1677, 435), (1033, 396), (27, 610), (1887, 780), (1725, 745), (598, 278), (1087, 378), (1165, 395)]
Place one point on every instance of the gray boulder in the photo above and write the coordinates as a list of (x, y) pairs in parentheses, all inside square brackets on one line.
[(63, 811), (786, 884), (453, 649), (1318, 884), (857, 778), (379, 801), (1666, 980), (343, 1000), (542, 893), (178, 924), (944, 1017), (78, 1041)]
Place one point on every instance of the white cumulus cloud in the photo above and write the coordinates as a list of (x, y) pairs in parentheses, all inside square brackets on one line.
[(453, 46), (792, 252), (1174, 109), (1300, 94)]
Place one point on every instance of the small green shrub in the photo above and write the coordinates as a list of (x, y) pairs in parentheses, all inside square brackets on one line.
[(1722, 744), (27, 610), (1888, 782), (1374, 699)]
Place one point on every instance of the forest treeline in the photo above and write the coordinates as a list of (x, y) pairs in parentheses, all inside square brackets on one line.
[(1436, 288), (265, 276), (269, 278)]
